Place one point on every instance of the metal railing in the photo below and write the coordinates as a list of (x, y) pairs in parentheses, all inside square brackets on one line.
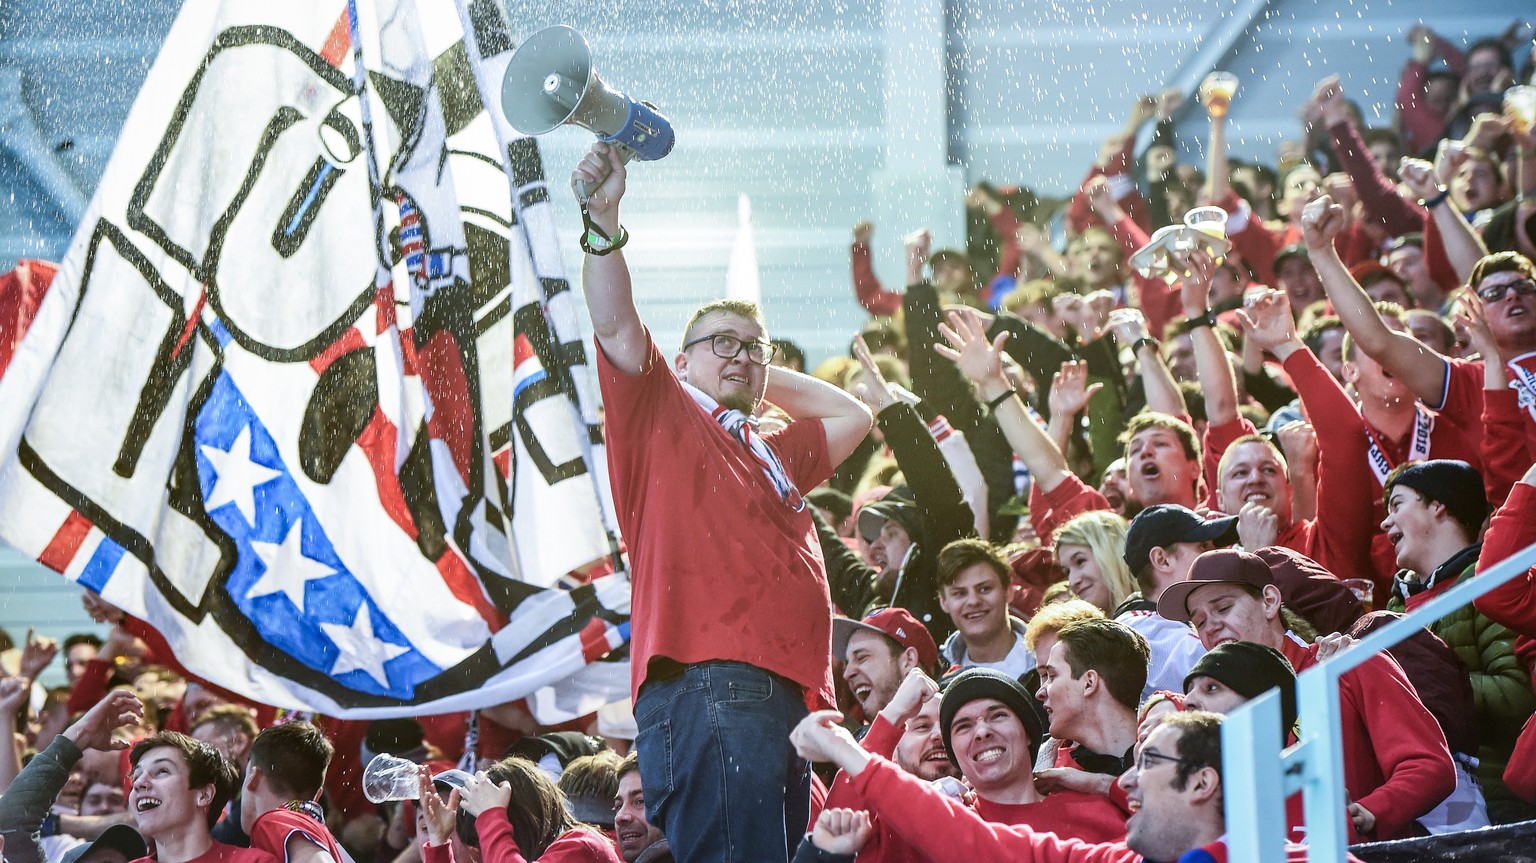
[(1259, 776)]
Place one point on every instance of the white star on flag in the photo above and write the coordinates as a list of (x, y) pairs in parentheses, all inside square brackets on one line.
[(288, 570), (236, 476), (360, 649)]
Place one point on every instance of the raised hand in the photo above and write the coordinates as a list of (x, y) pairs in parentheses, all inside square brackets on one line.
[(842, 831), (437, 814), (100, 610), (1329, 98), (481, 794), (1473, 315), (1298, 441), (603, 172), (1321, 221), (1419, 176), (36, 655), (873, 390), (818, 737), (119, 709), (1257, 526), (1448, 160), (968, 348), (1268, 324), (916, 689), (1102, 200), (1070, 392), (863, 231), (14, 692), (1195, 288), (1128, 325)]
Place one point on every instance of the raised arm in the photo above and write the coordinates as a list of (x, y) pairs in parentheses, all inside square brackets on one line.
[(981, 361), (1421, 369), (1211, 362), (1463, 247), (804, 398), (605, 278)]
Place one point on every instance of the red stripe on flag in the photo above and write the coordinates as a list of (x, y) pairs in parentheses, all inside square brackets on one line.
[(192, 319), (467, 589), (339, 42), (350, 341), (594, 640), (377, 443), (65, 543)]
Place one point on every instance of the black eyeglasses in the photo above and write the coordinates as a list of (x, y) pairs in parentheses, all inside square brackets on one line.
[(1494, 293), (1148, 755), (726, 347)]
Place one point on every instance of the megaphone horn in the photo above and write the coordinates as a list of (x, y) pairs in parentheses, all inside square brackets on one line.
[(550, 82)]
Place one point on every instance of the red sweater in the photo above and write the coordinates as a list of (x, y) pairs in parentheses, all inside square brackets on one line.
[(498, 846), (1512, 528), (948, 832), (1396, 762)]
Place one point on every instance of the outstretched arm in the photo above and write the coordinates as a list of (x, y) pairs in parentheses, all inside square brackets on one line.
[(1211, 362), (981, 361), (605, 278), (1421, 369)]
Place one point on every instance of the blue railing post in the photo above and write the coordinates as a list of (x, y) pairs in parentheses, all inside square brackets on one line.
[(1256, 770)]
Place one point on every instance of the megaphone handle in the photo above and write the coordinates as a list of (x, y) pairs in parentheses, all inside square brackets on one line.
[(584, 191)]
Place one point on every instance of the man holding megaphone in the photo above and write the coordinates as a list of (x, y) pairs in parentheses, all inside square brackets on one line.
[(731, 638)]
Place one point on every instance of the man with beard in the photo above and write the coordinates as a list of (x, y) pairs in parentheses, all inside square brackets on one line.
[(879, 652), (723, 549)]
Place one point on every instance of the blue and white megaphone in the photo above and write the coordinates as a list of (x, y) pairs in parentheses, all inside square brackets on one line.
[(550, 82)]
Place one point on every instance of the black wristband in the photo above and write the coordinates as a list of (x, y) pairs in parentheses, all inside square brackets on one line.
[(992, 405), (1206, 320), (1143, 342), (1431, 203)]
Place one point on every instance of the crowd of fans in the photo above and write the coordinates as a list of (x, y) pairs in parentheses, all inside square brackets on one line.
[(1098, 509)]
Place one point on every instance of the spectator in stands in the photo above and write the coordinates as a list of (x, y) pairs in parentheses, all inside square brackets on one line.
[(279, 795), (1396, 764), (1091, 549), (79, 649), (1091, 686), (1435, 510), (639, 841), (973, 579), (180, 786), (1162, 543), (520, 814), (879, 652)]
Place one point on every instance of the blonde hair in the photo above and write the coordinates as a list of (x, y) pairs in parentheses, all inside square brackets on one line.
[(1103, 532), (1050, 619), (741, 308)]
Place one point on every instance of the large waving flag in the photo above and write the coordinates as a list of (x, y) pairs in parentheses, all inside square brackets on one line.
[(308, 393)]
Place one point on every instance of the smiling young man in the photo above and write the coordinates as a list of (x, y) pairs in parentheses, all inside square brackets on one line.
[(879, 651), (1174, 790), (1435, 510), (179, 787), (639, 840), (1397, 766), (992, 730), (973, 583), (723, 550)]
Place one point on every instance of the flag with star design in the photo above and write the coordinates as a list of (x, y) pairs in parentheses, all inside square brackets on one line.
[(309, 393)]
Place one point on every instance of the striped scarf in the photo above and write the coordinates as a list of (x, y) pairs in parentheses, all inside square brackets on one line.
[(744, 429)]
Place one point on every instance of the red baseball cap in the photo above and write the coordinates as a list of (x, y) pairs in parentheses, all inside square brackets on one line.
[(897, 624)]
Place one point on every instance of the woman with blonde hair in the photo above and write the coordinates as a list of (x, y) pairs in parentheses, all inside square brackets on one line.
[(1091, 548)]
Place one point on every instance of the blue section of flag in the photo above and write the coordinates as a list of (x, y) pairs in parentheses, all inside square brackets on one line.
[(98, 570), (280, 506), (220, 333), (525, 383)]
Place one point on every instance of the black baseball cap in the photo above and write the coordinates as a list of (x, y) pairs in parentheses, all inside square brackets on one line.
[(1164, 524)]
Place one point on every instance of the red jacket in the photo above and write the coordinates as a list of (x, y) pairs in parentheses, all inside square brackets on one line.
[(949, 832)]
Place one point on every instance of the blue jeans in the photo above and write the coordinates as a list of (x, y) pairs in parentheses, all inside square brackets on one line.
[(720, 777)]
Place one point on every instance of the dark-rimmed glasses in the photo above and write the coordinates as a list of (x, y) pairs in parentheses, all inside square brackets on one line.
[(726, 347), (1147, 755), (1494, 293)]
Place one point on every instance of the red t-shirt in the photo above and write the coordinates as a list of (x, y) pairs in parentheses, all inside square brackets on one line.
[(722, 567), (221, 853), (273, 829)]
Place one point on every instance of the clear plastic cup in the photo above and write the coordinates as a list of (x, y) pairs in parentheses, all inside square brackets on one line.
[(1216, 92), (1362, 588), (1520, 105), (389, 778), (1208, 220)]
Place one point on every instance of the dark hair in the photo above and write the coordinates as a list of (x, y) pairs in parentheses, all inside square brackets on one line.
[(294, 756), (962, 554), (229, 717), (594, 776), (1312, 336), (1382, 135), (1500, 262), (630, 764), (537, 810), (1118, 653), (790, 351), (79, 638), (1199, 744), (205, 766), (1506, 59), (1152, 419)]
